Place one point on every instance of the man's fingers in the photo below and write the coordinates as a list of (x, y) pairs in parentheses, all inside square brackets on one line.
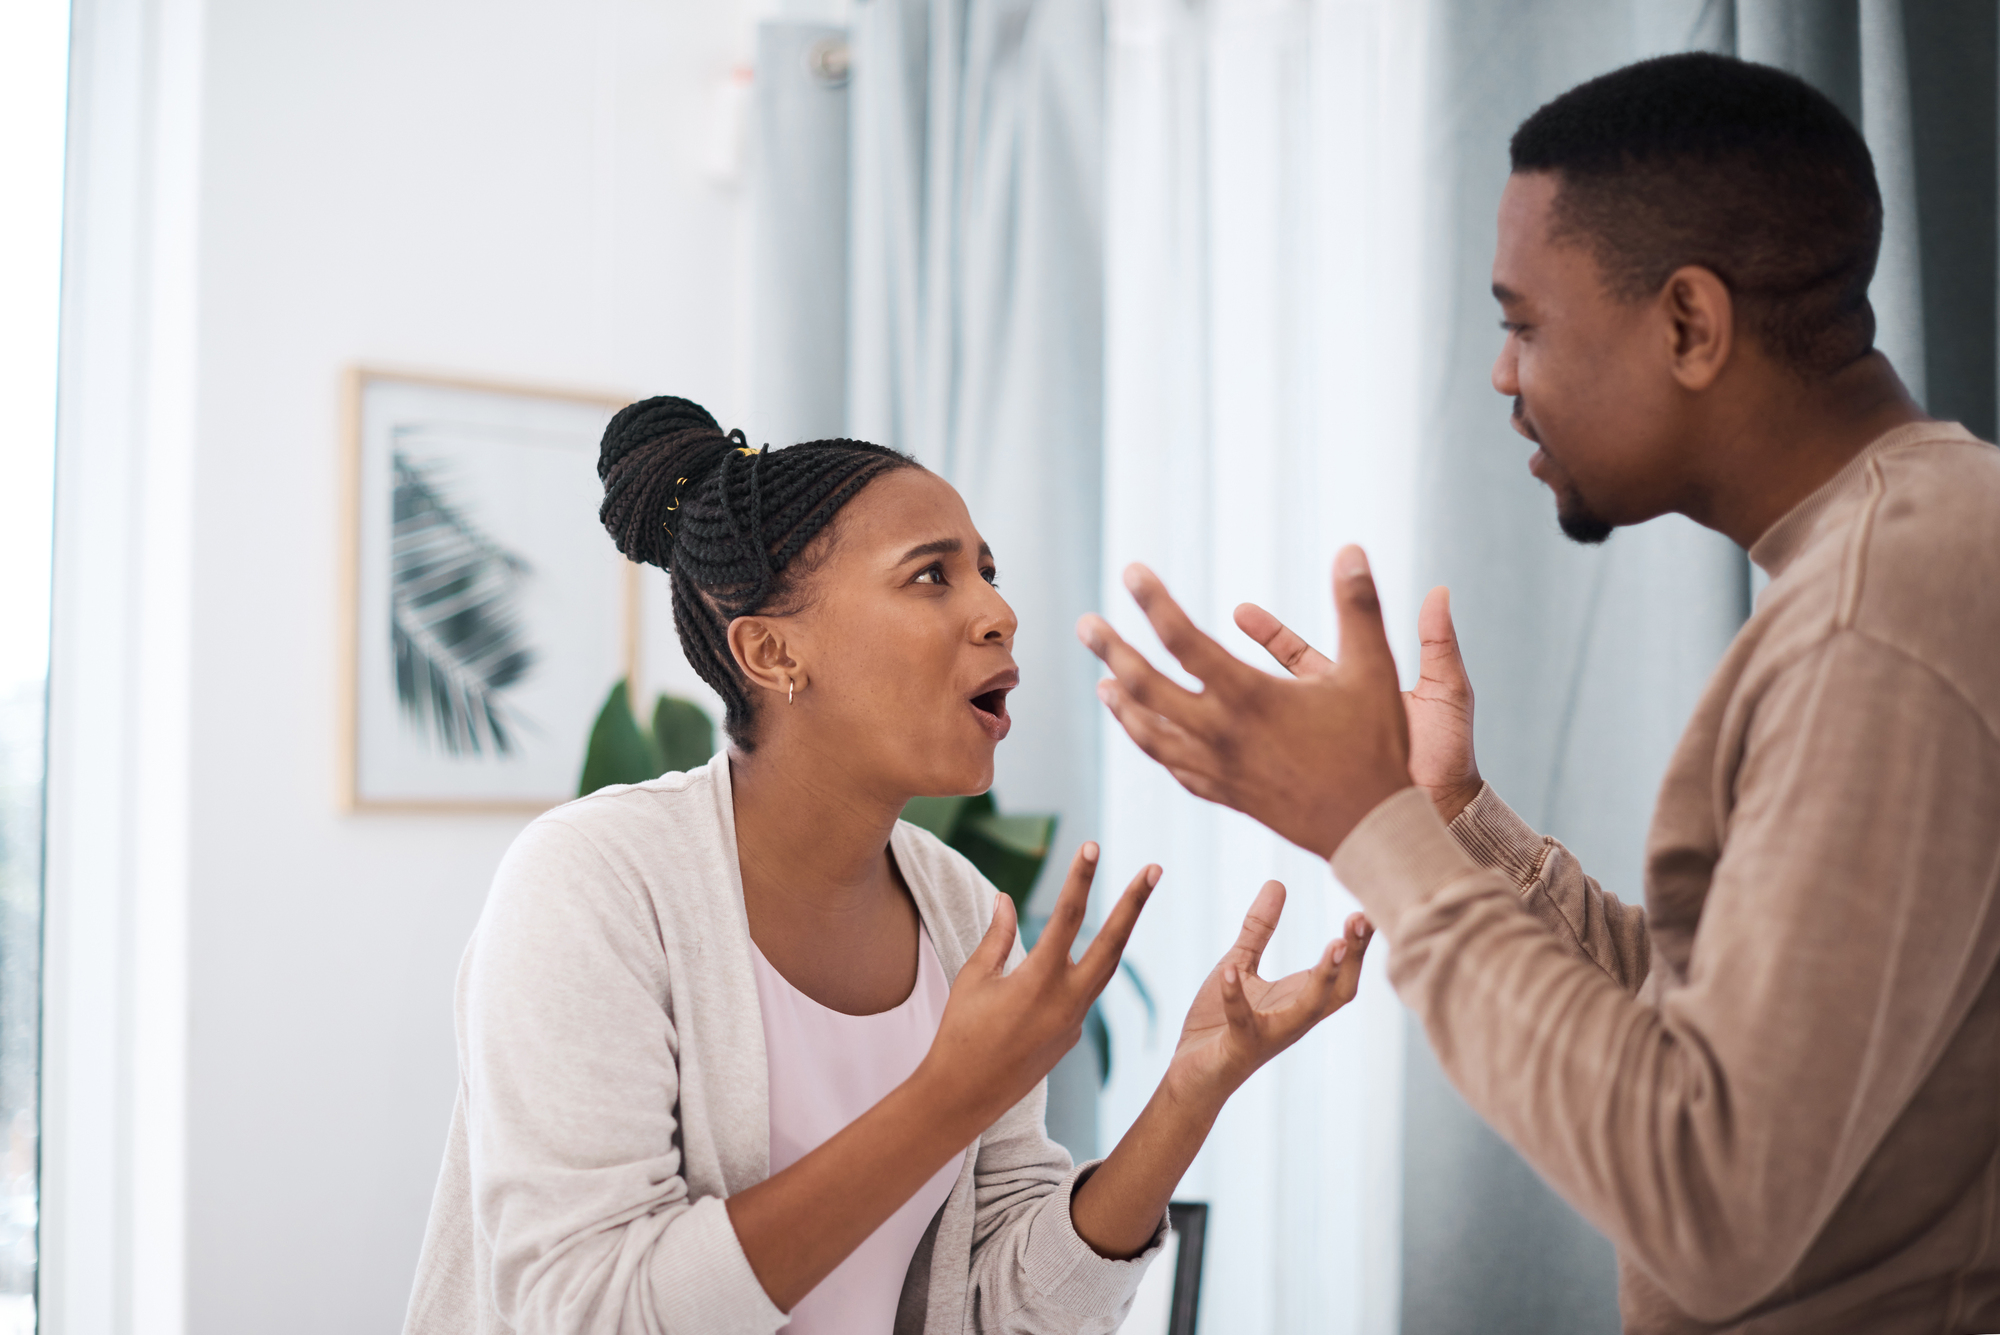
[(1158, 736), (1141, 680), (1282, 642), (1439, 660), (1258, 924), (1188, 643), (990, 955), (1364, 644), (1100, 960)]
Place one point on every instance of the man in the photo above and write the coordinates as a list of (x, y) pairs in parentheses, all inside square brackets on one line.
[(1776, 1088)]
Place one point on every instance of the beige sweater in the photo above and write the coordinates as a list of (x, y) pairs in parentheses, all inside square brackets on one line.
[(1777, 1087), (613, 1091)]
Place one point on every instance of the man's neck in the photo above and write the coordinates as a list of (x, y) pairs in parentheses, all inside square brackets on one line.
[(1779, 446)]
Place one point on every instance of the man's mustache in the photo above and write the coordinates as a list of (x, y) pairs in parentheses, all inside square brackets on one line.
[(1522, 423)]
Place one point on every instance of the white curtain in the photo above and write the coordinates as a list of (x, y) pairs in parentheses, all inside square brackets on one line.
[(1264, 169), (975, 343)]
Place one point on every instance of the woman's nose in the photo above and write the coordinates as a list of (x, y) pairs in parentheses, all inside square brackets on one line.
[(995, 625)]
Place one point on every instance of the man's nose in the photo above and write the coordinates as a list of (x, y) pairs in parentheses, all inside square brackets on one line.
[(1506, 371)]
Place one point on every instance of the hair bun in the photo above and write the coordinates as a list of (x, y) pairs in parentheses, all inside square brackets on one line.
[(654, 452)]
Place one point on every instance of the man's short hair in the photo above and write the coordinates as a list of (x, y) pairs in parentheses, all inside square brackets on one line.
[(1742, 169)]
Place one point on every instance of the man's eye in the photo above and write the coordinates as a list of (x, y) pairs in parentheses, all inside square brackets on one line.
[(1512, 327), (930, 574)]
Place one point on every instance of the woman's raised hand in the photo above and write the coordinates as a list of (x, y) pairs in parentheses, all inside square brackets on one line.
[(1239, 1020), (1002, 1032)]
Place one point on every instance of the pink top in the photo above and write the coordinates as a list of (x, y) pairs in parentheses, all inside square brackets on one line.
[(827, 1069)]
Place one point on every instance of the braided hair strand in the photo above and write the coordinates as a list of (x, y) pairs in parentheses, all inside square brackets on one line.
[(728, 523)]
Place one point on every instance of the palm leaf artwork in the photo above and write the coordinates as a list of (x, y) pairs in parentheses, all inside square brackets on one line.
[(621, 751), (1009, 851), (455, 630)]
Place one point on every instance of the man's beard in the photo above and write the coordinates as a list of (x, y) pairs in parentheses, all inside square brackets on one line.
[(1574, 516), (1577, 520)]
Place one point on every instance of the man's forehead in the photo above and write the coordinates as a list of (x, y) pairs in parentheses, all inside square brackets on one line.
[(1523, 243)]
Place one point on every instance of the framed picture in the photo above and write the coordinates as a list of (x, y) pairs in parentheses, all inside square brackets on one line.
[(487, 612), (1169, 1297)]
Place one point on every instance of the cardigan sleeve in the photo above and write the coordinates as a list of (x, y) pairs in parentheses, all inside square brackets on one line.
[(1031, 1272), (571, 1084)]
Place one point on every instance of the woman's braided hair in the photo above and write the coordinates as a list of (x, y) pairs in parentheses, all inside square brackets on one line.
[(727, 522)]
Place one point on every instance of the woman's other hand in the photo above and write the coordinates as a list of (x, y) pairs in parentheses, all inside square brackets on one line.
[(1002, 1032), (1240, 1020)]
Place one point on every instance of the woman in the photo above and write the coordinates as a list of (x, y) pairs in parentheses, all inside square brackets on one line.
[(737, 1048)]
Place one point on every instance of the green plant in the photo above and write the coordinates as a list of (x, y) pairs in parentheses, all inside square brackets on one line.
[(1009, 851), (622, 751)]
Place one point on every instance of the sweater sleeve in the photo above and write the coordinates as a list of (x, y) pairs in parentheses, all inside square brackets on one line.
[(1031, 1272), (1849, 924), (1555, 890), (571, 1086)]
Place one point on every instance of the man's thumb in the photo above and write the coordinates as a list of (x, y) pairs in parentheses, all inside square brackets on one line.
[(1364, 643), (1441, 660)]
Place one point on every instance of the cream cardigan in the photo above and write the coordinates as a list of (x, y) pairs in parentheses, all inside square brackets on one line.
[(612, 1091)]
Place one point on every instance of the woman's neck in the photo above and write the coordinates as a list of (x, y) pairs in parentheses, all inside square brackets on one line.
[(806, 831)]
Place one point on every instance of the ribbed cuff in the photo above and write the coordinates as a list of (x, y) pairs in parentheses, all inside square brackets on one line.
[(1397, 855), (1067, 1270), (1493, 836), (703, 1281)]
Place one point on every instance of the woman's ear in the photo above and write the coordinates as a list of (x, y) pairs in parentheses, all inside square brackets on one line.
[(1702, 317), (765, 655)]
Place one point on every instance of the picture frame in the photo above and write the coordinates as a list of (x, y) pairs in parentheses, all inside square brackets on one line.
[(485, 614), (1169, 1298)]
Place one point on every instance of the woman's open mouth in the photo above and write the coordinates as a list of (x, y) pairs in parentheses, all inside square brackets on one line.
[(990, 706)]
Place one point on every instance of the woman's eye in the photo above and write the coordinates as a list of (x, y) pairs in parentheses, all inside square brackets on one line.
[(990, 575), (930, 574)]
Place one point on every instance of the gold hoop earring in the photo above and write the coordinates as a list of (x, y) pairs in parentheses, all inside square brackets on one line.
[(790, 687)]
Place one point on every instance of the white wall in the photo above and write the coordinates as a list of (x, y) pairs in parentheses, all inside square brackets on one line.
[(507, 189)]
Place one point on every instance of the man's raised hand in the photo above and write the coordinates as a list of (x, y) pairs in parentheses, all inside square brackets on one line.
[(1309, 756), (1439, 708)]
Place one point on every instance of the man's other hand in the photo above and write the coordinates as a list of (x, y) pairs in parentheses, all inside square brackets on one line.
[(1439, 709), (1308, 757)]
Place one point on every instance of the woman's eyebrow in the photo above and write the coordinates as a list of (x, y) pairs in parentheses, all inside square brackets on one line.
[(942, 547)]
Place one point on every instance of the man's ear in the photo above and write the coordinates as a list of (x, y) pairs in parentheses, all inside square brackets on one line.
[(1701, 320), (761, 650)]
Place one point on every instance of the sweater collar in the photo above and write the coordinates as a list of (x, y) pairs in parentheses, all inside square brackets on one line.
[(1785, 539)]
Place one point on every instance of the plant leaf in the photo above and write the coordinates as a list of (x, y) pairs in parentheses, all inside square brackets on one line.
[(1008, 850), (939, 815), (454, 631), (1099, 1033), (682, 734), (618, 751)]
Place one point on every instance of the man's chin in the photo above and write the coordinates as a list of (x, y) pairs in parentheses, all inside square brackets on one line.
[(1579, 523)]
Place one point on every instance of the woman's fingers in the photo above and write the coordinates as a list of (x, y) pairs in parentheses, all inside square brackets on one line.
[(1358, 934), (1258, 925), (990, 955), (1071, 905), (1100, 960), (1236, 1008)]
